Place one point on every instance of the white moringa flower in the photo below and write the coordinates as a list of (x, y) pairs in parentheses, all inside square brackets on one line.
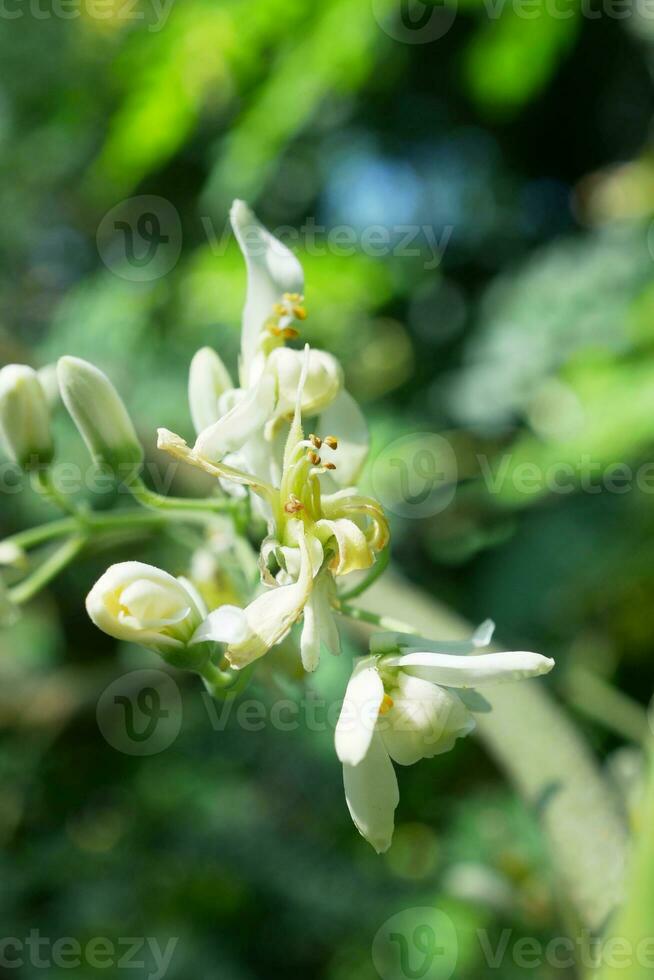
[(239, 424), (410, 705), (25, 417), (312, 539), (100, 416), (142, 604)]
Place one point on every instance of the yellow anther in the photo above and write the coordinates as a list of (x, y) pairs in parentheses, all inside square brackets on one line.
[(290, 333), (293, 505), (292, 297), (279, 309), (386, 705), (331, 441), (313, 458), (299, 312), (330, 466), (316, 440)]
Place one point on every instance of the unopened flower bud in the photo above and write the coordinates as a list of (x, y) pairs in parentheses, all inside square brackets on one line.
[(142, 604), (323, 382), (25, 417), (100, 416)]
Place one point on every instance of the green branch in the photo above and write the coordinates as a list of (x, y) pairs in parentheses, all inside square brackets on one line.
[(51, 567)]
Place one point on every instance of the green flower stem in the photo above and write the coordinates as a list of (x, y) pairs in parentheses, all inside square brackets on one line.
[(156, 501), (632, 928), (34, 536), (51, 492), (380, 566), (95, 524), (51, 567), (223, 683), (607, 706), (548, 761), (374, 619)]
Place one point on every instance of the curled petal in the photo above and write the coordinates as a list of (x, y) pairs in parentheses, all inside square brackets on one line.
[(349, 503), (353, 549)]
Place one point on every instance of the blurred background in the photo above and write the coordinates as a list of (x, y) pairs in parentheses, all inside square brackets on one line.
[(470, 191)]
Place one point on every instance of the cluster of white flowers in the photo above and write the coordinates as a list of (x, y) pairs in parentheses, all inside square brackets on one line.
[(408, 699)]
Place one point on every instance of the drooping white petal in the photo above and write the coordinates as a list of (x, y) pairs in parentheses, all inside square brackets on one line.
[(271, 615), (345, 420), (208, 380), (272, 271), (227, 624), (372, 795), (359, 713), (319, 629), (486, 668), (241, 423), (424, 720)]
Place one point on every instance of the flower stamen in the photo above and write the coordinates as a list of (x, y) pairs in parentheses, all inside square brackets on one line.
[(386, 705)]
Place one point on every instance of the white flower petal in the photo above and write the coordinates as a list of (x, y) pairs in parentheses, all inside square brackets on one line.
[(344, 419), (208, 380), (372, 795), (227, 624), (484, 633), (486, 668), (272, 271), (425, 720), (359, 713), (241, 423)]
